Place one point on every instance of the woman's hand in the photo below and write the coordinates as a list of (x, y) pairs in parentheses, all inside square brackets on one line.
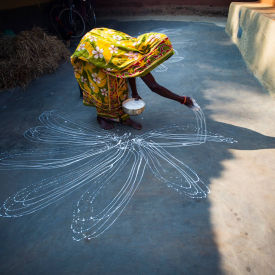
[(188, 102), (191, 103), (136, 96)]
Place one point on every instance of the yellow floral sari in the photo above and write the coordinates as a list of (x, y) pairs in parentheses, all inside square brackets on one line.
[(104, 59)]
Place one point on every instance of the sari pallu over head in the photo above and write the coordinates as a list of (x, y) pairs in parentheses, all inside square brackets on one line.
[(104, 59)]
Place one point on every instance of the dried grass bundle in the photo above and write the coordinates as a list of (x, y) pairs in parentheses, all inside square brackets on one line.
[(28, 56)]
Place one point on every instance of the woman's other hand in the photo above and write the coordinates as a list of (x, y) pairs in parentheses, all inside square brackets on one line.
[(136, 96)]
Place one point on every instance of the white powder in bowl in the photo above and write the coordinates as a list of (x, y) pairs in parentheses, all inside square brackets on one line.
[(134, 105)]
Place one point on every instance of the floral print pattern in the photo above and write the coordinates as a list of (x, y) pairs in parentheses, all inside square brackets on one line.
[(92, 86), (132, 55), (92, 38), (96, 78), (77, 67), (98, 53), (113, 49), (104, 92), (83, 79), (117, 37), (153, 38), (109, 31), (81, 47)]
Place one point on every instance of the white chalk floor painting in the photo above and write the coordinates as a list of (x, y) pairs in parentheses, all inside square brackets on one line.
[(94, 158)]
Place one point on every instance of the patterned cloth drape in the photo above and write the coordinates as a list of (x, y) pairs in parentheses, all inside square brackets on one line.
[(104, 59)]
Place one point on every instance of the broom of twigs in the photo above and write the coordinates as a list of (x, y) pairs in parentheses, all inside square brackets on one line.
[(28, 56)]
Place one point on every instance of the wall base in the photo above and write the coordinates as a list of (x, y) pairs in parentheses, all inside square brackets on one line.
[(252, 28), (201, 10)]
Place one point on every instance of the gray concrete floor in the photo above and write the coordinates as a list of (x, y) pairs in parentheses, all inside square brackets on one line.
[(160, 231)]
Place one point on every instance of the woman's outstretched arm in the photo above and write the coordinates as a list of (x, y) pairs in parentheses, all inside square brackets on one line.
[(160, 90)]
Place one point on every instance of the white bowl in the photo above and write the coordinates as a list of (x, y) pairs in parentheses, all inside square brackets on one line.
[(132, 112)]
